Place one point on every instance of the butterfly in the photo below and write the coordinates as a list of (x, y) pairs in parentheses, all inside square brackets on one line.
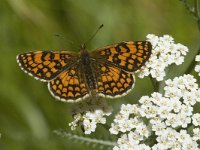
[(104, 72)]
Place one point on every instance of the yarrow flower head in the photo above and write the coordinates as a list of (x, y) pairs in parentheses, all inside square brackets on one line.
[(89, 114), (197, 67), (159, 121), (164, 53), (167, 118)]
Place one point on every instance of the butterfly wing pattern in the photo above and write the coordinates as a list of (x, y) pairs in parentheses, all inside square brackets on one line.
[(129, 56), (116, 77), (45, 65), (114, 82), (69, 85), (113, 67)]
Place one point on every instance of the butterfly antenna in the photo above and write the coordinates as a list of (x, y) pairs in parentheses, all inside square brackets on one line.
[(93, 35), (64, 41)]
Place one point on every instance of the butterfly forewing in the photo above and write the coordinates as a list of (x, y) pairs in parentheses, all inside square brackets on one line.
[(69, 85), (45, 65), (129, 56)]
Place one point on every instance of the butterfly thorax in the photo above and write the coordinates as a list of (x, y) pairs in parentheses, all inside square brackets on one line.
[(88, 71)]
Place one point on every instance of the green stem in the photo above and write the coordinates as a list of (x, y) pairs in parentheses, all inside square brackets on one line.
[(154, 83), (196, 13), (105, 126), (192, 64), (84, 139)]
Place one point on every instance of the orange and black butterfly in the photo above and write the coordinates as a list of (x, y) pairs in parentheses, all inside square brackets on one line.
[(105, 72)]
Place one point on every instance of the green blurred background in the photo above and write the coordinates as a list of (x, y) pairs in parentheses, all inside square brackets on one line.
[(28, 113)]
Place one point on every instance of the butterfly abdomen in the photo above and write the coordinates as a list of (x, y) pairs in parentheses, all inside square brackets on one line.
[(89, 75)]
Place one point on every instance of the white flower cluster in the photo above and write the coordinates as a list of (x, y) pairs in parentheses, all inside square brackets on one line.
[(88, 114), (197, 67), (128, 120), (164, 53), (161, 122)]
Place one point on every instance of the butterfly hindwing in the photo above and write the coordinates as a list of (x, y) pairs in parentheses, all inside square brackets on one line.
[(113, 81), (45, 65), (69, 85), (129, 56)]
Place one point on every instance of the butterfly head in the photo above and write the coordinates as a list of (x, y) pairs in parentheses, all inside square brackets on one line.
[(83, 48)]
